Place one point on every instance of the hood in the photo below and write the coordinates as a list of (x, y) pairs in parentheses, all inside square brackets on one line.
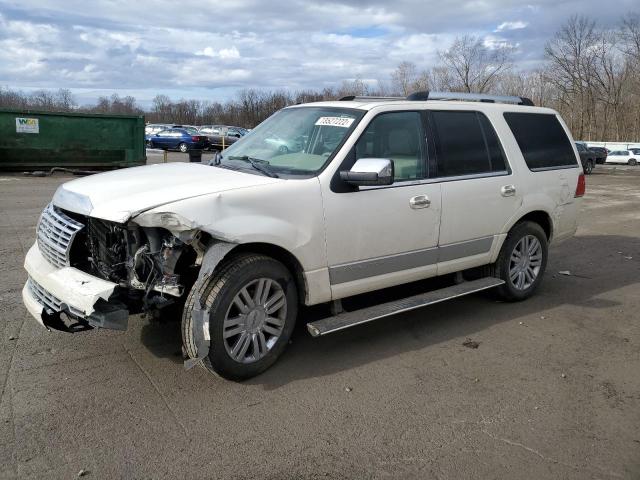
[(121, 194)]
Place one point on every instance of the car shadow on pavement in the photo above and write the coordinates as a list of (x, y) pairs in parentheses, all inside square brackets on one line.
[(163, 338), (595, 266)]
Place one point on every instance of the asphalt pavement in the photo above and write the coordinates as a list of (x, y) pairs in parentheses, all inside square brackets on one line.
[(551, 391)]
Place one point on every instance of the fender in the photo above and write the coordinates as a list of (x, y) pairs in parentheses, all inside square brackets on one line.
[(199, 331), (288, 215)]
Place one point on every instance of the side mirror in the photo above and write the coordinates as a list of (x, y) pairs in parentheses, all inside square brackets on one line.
[(369, 171)]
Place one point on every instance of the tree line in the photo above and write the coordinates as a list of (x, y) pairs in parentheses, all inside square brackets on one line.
[(590, 75)]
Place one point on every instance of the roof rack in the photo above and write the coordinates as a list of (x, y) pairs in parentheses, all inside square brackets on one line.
[(460, 96), (366, 98), (470, 97)]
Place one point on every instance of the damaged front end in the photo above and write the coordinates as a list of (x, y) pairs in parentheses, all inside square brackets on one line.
[(151, 263), (86, 272)]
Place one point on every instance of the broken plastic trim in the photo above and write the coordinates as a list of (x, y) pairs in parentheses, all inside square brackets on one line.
[(200, 316), (111, 316)]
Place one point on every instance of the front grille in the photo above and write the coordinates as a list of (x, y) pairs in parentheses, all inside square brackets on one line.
[(55, 234), (50, 302)]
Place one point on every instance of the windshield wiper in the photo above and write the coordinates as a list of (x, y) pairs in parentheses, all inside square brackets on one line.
[(257, 164)]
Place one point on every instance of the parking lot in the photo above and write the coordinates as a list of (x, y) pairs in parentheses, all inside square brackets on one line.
[(551, 391)]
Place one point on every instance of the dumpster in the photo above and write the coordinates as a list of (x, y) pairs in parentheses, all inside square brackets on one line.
[(40, 140)]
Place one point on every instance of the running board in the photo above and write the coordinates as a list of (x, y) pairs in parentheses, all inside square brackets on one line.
[(364, 315)]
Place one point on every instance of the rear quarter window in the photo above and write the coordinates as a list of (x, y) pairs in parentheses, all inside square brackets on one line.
[(542, 140)]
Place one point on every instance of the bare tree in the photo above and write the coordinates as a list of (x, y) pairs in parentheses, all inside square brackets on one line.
[(630, 35), (572, 55), (474, 66), (64, 100), (404, 77)]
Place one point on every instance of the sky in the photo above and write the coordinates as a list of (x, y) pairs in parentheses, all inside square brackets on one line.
[(208, 50)]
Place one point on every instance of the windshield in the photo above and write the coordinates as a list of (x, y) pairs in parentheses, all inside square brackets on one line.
[(294, 141)]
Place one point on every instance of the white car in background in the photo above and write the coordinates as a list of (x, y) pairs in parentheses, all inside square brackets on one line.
[(625, 157)]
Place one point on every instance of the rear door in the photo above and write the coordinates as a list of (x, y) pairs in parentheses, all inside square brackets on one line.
[(176, 137), (480, 192)]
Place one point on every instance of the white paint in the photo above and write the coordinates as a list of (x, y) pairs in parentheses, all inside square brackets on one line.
[(119, 194), (319, 227), (73, 287)]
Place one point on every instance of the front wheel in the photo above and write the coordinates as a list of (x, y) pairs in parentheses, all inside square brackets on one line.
[(522, 261), (183, 148), (633, 162), (252, 302)]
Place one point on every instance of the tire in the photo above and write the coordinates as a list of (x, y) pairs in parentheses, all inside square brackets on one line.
[(151, 145), (183, 147), (283, 150), (505, 267), (588, 168), (220, 291), (632, 161)]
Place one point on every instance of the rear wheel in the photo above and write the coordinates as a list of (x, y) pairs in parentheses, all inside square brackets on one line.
[(183, 147), (522, 261), (632, 161), (253, 303), (588, 168)]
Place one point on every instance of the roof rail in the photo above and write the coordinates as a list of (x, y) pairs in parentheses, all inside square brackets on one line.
[(460, 96), (470, 97), (368, 99)]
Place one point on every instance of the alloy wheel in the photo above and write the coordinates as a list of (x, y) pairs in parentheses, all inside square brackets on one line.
[(255, 320), (525, 262)]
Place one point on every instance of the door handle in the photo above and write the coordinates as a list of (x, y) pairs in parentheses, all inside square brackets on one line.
[(419, 201), (508, 191)]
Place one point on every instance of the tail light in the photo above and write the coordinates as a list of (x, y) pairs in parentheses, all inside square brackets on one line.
[(581, 188), (195, 138)]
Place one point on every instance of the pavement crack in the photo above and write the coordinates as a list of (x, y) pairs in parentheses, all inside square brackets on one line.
[(160, 394), (546, 459)]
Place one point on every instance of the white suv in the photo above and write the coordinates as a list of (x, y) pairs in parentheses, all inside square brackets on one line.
[(370, 193)]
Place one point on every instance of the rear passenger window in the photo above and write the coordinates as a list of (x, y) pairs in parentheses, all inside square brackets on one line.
[(542, 140), (398, 136), (466, 144)]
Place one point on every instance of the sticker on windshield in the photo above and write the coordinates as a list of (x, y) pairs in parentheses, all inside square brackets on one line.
[(344, 122)]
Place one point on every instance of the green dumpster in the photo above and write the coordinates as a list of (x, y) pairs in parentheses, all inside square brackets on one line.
[(40, 140)]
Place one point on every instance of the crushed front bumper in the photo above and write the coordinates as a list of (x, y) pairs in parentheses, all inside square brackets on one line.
[(83, 298)]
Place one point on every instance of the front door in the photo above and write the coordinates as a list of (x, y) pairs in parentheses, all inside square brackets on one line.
[(383, 236)]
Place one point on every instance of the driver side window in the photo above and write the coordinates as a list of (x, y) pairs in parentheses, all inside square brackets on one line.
[(398, 136)]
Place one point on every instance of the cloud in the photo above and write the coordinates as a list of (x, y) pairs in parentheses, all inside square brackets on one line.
[(517, 25), (492, 42), (145, 47), (222, 53)]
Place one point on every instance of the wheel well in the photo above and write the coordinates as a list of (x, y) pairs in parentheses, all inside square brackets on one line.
[(542, 219), (283, 256)]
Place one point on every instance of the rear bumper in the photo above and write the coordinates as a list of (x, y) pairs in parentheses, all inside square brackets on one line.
[(50, 291)]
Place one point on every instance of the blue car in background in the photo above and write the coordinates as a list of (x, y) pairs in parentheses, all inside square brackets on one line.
[(182, 139)]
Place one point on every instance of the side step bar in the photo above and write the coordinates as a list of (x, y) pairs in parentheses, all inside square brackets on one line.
[(364, 315)]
